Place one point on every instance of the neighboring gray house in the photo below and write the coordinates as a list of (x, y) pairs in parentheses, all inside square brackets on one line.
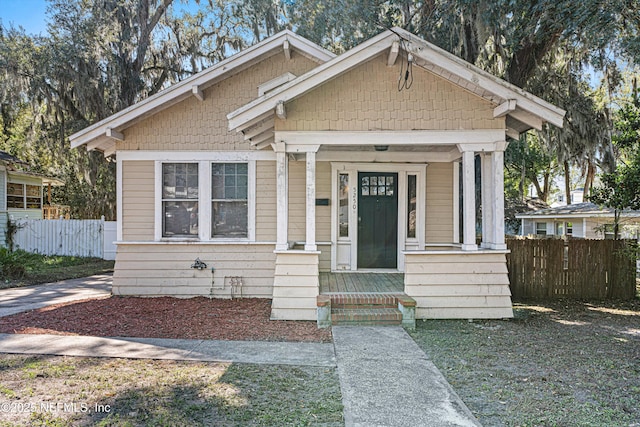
[(585, 220)]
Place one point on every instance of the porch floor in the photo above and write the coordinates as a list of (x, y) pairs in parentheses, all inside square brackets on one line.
[(331, 283)]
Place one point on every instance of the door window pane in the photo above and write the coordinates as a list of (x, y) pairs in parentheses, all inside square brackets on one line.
[(377, 186)]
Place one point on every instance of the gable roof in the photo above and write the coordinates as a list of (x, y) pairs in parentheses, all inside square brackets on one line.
[(522, 109), (103, 134), (12, 162), (9, 160), (581, 210)]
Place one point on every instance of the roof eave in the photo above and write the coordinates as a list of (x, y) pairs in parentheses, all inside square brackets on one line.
[(310, 80), (184, 89), (531, 111)]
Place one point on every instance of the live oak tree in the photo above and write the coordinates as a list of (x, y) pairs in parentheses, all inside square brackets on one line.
[(102, 56), (620, 189)]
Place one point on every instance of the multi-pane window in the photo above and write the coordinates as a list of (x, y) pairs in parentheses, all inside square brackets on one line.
[(541, 228), (180, 199), (411, 205), (21, 196), (377, 186), (229, 200)]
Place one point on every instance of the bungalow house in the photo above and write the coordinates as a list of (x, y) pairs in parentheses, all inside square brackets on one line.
[(21, 192), (583, 220), (286, 172)]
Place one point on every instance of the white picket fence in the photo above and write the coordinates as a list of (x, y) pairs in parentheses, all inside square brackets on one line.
[(73, 237)]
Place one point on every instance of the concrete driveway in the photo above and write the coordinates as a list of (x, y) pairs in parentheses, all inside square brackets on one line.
[(16, 300)]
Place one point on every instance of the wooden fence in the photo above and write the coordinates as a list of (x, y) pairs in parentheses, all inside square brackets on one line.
[(74, 237), (581, 269)]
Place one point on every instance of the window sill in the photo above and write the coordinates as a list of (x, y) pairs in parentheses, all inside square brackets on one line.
[(192, 242), (180, 239)]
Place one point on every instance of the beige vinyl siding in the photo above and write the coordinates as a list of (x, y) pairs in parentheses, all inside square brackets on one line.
[(202, 125), (439, 203), (266, 191), (138, 194), (462, 286), (165, 269), (298, 210), (323, 214), (367, 98), (295, 286)]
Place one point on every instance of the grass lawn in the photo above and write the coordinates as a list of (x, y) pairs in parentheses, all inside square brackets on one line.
[(148, 392), (35, 269), (556, 364)]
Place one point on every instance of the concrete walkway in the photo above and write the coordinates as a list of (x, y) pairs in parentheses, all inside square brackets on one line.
[(16, 300), (259, 352), (387, 380)]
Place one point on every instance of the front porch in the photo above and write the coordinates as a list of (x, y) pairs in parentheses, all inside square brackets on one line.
[(370, 298), (371, 282)]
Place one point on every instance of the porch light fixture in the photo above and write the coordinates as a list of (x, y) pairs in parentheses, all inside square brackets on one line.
[(381, 147)]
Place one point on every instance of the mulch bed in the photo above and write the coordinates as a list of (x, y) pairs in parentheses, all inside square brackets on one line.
[(164, 317)]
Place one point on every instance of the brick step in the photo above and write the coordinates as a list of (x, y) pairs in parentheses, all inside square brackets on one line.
[(353, 301), (366, 316)]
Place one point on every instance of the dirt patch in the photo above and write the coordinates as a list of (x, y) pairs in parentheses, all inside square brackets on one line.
[(165, 317), (555, 363)]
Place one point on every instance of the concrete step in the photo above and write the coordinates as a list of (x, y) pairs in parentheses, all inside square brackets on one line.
[(366, 316)]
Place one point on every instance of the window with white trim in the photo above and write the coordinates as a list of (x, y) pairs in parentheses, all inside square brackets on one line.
[(24, 196), (541, 228), (229, 200), (180, 200)]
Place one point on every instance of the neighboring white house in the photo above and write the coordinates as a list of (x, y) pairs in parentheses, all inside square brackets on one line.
[(577, 196), (284, 161), (584, 220), (21, 192)]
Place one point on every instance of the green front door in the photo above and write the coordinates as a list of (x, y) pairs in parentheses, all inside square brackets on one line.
[(377, 220)]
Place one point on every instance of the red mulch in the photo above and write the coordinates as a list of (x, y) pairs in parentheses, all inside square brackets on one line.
[(164, 317)]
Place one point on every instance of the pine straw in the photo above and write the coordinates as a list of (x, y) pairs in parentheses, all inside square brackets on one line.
[(165, 317)]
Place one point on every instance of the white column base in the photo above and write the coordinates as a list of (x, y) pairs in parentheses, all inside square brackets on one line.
[(466, 247)]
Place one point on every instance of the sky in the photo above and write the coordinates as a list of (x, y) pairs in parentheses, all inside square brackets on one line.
[(30, 14)]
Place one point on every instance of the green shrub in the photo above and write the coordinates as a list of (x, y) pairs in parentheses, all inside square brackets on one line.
[(12, 264)]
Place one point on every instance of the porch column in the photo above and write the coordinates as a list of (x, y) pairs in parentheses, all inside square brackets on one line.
[(469, 201), (497, 166), (310, 242), (282, 194), (487, 201)]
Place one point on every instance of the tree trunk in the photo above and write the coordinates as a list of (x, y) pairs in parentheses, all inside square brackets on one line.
[(567, 182), (588, 182)]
